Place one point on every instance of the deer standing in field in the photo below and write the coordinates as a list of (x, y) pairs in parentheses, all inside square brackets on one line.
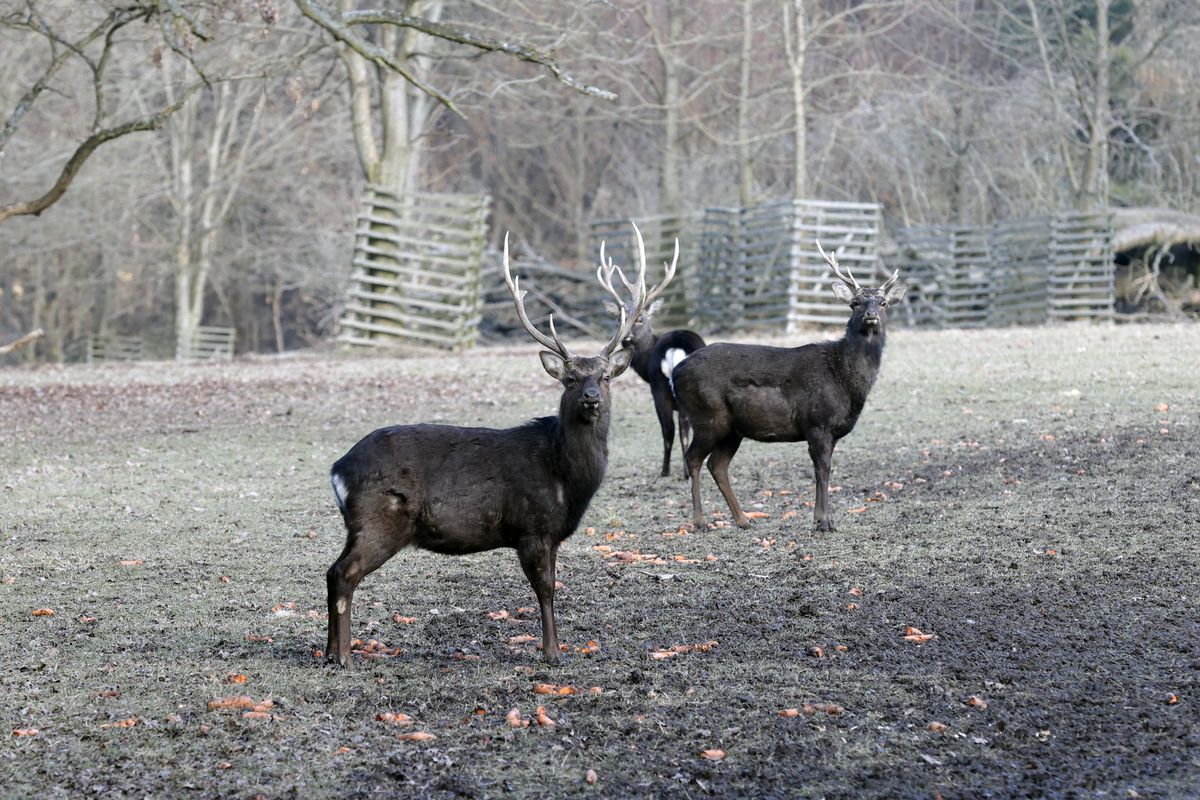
[(459, 490), (812, 393), (654, 358)]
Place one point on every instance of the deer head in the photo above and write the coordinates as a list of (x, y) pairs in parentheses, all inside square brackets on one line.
[(640, 336), (868, 307), (586, 379)]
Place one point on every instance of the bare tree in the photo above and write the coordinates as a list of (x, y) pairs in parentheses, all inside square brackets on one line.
[(390, 57), (87, 34)]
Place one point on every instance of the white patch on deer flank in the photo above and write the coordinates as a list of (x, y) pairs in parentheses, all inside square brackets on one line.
[(562, 495), (339, 490), (341, 605), (672, 359)]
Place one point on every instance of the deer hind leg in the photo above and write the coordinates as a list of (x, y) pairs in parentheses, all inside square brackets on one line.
[(685, 427), (539, 561), (693, 459), (718, 465), (377, 529), (666, 421)]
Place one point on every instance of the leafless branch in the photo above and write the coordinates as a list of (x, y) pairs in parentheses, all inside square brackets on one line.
[(24, 340), (340, 27), (85, 150)]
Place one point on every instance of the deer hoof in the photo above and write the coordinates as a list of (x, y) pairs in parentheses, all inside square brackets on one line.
[(553, 659)]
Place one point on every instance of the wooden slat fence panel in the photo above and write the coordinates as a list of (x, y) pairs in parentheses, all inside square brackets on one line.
[(851, 231), (1016, 272), (416, 270), (712, 306), (111, 347), (207, 342), (1081, 282), (759, 267)]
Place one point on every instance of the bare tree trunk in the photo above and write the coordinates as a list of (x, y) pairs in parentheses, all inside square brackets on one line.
[(180, 133), (744, 149), (277, 312), (672, 194), (795, 38), (1094, 183), (404, 110)]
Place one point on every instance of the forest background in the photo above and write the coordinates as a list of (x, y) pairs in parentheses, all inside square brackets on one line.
[(169, 164)]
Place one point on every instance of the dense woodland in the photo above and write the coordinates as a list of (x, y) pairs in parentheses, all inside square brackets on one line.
[(200, 161)]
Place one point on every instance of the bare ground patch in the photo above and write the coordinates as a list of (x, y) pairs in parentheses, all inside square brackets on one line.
[(1028, 497)]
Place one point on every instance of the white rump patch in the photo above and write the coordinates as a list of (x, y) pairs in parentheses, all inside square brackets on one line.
[(671, 359), (340, 492)]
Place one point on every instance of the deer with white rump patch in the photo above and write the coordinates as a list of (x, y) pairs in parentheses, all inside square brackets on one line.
[(460, 490), (654, 358), (812, 393)]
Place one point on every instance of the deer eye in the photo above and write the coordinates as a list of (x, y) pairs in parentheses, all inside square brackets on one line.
[(607, 377)]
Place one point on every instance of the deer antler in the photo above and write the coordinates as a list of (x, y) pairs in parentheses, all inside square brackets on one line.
[(637, 289), (554, 344), (847, 277), (889, 283), (654, 293)]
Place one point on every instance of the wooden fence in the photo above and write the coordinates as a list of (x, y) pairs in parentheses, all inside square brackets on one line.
[(759, 267), (416, 270), (207, 342), (571, 295), (111, 347), (1017, 272)]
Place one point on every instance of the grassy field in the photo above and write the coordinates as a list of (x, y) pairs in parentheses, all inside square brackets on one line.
[(1029, 497)]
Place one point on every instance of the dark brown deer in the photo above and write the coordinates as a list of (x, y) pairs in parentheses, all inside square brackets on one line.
[(654, 358), (465, 490), (812, 393)]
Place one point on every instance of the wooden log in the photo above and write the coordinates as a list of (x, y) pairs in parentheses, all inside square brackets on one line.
[(24, 340)]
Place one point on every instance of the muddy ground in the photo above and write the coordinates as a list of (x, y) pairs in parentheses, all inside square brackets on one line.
[(1029, 497)]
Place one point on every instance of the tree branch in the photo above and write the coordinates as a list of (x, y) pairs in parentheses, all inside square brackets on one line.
[(339, 27), (24, 340), (75, 163)]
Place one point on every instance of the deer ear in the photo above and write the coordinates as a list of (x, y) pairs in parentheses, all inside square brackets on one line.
[(654, 308), (554, 364), (612, 308), (895, 293), (620, 361), (843, 292)]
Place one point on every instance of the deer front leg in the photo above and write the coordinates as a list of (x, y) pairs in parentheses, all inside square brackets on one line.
[(539, 560), (666, 421), (820, 448)]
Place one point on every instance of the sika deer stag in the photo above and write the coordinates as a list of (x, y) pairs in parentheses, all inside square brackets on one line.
[(465, 490), (654, 358), (812, 393)]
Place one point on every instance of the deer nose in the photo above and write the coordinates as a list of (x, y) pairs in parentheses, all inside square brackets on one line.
[(591, 396)]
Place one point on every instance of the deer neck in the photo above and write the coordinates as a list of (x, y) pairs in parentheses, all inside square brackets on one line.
[(857, 359), (641, 356), (582, 450)]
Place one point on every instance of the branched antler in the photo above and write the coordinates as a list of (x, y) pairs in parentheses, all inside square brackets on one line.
[(518, 294), (637, 289), (847, 277)]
